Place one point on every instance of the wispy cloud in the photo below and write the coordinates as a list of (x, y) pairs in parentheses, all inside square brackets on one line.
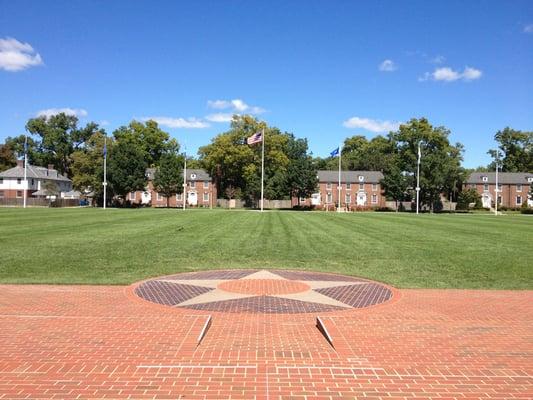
[(236, 106), (16, 56), (387, 66), (371, 125), (438, 59), (169, 122), (448, 74), (219, 117), (528, 28), (77, 112)]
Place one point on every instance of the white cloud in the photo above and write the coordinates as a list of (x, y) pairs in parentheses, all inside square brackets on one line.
[(219, 117), (236, 106), (387, 66), (16, 56), (448, 74), (371, 125), (169, 122), (528, 28), (77, 112)]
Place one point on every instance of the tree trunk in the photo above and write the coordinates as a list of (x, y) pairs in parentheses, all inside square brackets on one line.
[(168, 201)]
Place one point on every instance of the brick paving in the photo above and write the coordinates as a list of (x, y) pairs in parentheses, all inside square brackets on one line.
[(93, 342)]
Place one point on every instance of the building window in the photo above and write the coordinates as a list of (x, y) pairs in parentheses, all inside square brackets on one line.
[(348, 199), (374, 187), (19, 181), (518, 200), (1, 194), (485, 179), (486, 187), (1, 180), (206, 197), (192, 184), (519, 188), (361, 186), (329, 198), (499, 199), (472, 186), (159, 196), (374, 199), (361, 178), (328, 185), (499, 187), (132, 195), (33, 182), (348, 186), (178, 197), (206, 184), (19, 193)]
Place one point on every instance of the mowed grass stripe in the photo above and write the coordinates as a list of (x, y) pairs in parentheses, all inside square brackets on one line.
[(122, 246)]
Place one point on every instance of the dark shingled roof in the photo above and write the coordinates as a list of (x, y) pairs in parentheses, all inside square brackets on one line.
[(34, 172), (350, 176), (192, 174), (505, 178)]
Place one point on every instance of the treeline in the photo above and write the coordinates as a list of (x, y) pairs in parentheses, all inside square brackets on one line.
[(290, 169)]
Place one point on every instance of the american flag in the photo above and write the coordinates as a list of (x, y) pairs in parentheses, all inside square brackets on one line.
[(255, 138)]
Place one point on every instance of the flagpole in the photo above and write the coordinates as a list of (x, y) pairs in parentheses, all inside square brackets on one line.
[(262, 167), (418, 180), (25, 170), (105, 171), (339, 188), (496, 190), (184, 196)]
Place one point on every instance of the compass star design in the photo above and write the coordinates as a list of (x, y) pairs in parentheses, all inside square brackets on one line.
[(262, 291)]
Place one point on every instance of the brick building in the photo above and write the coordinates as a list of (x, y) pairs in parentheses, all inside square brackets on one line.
[(359, 190), (12, 185), (200, 192), (513, 188)]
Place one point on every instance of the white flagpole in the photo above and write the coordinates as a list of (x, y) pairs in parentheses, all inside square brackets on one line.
[(496, 189), (184, 195), (105, 171), (262, 167), (339, 188), (25, 170), (418, 180)]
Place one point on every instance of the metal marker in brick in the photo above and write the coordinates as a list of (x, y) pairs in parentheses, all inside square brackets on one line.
[(322, 328), (205, 328)]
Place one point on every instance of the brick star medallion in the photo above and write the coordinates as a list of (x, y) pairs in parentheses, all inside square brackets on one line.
[(262, 291)]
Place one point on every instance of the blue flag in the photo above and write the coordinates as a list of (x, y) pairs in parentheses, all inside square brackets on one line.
[(334, 152)]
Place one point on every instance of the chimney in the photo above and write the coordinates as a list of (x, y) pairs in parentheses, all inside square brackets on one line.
[(20, 163)]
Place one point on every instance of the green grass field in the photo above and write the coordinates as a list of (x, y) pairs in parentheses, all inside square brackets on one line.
[(93, 246)]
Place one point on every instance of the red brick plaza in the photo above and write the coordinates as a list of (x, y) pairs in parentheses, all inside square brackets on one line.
[(143, 341)]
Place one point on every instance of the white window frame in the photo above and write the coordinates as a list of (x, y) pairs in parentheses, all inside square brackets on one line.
[(179, 197), (206, 200), (2, 194), (486, 187), (517, 202), (19, 181), (329, 198), (159, 196), (348, 198), (374, 187), (348, 186), (206, 184), (485, 178), (519, 187), (361, 186), (192, 184), (132, 195), (328, 185), (374, 199), (21, 194)]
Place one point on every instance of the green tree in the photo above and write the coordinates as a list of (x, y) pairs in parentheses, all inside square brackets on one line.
[(516, 149), (126, 168), (17, 146), (87, 166), (301, 177), (149, 138), (59, 136), (168, 179), (395, 185), (440, 169), (467, 197), (52, 190), (8, 158)]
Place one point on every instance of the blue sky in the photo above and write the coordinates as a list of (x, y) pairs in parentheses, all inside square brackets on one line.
[(325, 70)]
